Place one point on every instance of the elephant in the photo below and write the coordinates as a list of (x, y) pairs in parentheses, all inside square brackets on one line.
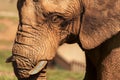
[(44, 25)]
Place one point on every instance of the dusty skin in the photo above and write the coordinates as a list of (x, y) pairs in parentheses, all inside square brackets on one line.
[(44, 25)]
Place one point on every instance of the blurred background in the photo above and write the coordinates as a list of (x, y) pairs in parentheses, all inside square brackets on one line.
[(69, 63)]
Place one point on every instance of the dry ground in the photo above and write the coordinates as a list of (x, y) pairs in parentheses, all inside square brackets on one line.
[(7, 34), (8, 23)]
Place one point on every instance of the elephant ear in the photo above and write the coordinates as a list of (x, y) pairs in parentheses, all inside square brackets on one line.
[(99, 24)]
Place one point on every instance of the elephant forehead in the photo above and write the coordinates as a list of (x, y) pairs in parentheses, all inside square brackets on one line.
[(55, 5)]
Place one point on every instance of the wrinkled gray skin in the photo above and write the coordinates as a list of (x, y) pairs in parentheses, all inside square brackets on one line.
[(46, 24)]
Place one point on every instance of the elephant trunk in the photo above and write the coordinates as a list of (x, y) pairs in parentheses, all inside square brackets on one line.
[(37, 41), (33, 45), (39, 76)]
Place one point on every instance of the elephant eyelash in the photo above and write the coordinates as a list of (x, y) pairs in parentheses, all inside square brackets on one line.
[(54, 17), (35, 0), (57, 18)]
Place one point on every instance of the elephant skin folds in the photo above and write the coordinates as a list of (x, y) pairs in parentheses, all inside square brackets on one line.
[(44, 25)]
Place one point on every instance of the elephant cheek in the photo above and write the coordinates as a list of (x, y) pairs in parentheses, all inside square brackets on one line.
[(49, 51)]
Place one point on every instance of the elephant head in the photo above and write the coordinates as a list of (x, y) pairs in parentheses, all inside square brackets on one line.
[(46, 24), (43, 26)]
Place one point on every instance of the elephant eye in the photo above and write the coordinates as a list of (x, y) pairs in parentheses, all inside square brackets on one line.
[(35, 0), (57, 18)]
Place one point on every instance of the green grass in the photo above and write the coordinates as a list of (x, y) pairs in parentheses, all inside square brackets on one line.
[(5, 42), (7, 78), (6, 70), (60, 74), (52, 74), (4, 66)]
